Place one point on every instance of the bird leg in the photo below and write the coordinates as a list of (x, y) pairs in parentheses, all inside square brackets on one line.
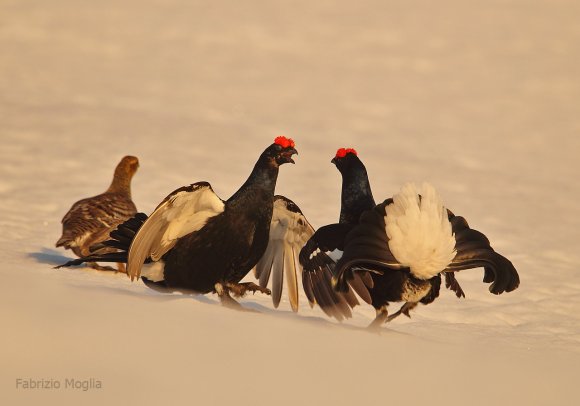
[(225, 298), (223, 291), (381, 318), (240, 289), (405, 309)]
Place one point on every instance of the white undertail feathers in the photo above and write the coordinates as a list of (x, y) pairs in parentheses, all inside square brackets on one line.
[(419, 231)]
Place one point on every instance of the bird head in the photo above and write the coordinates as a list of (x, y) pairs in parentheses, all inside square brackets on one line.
[(128, 165), (280, 152), (345, 158)]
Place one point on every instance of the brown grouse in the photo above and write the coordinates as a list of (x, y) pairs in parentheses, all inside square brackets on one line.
[(89, 221)]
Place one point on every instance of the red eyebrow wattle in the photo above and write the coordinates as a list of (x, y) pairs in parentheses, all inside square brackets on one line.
[(342, 152), (284, 142)]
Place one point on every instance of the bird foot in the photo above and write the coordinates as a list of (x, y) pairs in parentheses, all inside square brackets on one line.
[(226, 300), (240, 289), (375, 326), (405, 309), (452, 284), (381, 318)]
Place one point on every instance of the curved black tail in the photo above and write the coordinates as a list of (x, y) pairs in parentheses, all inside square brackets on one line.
[(474, 250), (120, 238)]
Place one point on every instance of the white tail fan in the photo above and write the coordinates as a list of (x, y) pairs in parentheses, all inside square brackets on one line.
[(419, 231)]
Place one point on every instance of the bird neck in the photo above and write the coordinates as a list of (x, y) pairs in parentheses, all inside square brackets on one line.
[(121, 183), (260, 186), (356, 196)]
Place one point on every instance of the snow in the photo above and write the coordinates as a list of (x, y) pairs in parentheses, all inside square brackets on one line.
[(478, 98)]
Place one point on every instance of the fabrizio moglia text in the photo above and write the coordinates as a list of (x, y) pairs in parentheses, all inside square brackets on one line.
[(59, 384)]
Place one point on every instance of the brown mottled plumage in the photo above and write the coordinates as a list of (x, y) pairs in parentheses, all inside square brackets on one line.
[(90, 220)]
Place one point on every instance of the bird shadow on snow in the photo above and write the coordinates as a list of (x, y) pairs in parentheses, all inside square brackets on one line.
[(148, 295), (322, 321), (249, 308), (49, 256), (53, 257)]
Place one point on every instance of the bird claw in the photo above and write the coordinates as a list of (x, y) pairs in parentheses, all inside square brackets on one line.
[(405, 309), (452, 284), (240, 289)]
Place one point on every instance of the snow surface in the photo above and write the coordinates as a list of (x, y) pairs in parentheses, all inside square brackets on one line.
[(479, 98)]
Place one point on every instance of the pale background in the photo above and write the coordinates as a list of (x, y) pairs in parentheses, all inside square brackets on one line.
[(480, 98)]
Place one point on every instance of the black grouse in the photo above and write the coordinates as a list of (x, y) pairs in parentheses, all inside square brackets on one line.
[(89, 221), (404, 243), (195, 241)]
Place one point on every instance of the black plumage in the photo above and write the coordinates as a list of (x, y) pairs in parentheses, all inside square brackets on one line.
[(89, 221), (356, 198), (361, 234)]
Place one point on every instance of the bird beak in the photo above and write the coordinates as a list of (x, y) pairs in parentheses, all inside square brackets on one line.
[(333, 161), (287, 154)]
